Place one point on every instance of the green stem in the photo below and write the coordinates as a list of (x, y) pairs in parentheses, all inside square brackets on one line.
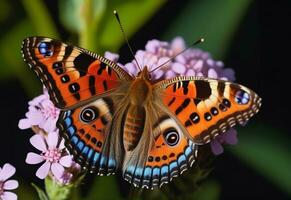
[(91, 13)]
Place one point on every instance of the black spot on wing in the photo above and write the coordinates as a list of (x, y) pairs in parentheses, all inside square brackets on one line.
[(182, 106), (92, 88), (185, 87), (203, 89), (68, 51), (172, 101), (82, 62), (102, 68), (220, 88)]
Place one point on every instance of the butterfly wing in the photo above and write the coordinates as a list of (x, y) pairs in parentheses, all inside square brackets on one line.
[(169, 152), (71, 74), (85, 130), (83, 85), (207, 107)]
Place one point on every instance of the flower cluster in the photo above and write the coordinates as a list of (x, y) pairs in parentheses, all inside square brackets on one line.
[(193, 62), (5, 173), (42, 117)]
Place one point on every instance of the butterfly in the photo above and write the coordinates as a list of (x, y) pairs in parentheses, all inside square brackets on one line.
[(149, 129)]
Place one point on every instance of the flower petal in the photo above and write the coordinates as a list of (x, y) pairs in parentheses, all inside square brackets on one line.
[(216, 147), (38, 142), (170, 74), (53, 138), (8, 196), (49, 125), (178, 45), (62, 144), (212, 73), (190, 72), (57, 170), (33, 158), (111, 56), (229, 73), (66, 161), (198, 65), (43, 171), (35, 117), (7, 171), (24, 124), (10, 185), (179, 68), (230, 137)]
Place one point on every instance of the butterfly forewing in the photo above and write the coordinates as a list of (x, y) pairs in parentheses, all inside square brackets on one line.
[(72, 75), (207, 107)]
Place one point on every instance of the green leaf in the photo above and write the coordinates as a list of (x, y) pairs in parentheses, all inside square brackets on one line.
[(40, 192), (12, 61), (56, 191), (25, 191), (133, 15), (91, 15), (5, 8), (105, 188), (70, 11), (97, 27), (267, 150), (40, 18), (209, 190), (216, 21)]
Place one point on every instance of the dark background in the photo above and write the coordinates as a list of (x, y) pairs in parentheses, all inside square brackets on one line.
[(260, 56)]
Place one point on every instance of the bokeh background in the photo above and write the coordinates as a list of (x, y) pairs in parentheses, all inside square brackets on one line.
[(247, 35)]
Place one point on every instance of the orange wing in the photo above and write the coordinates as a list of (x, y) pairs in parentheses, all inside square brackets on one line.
[(170, 155), (84, 130), (207, 107), (71, 74)]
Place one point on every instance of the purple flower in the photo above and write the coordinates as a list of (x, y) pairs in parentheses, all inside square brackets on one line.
[(193, 62), (156, 53), (5, 173), (230, 137), (41, 113), (53, 154)]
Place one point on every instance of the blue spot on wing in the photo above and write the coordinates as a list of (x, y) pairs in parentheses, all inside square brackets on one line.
[(96, 157), (80, 145), (74, 140), (68, 121), (164, 170), (71, 130)]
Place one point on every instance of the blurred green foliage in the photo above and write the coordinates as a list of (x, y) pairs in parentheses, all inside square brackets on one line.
[(267, 151), (92, 22)]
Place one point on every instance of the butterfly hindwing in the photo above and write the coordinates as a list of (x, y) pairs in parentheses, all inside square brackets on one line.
[(84, 130), (207, 107), (71, 74), (170, 155)]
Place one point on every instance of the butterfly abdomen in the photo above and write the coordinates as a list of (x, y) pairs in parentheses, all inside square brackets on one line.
[(133, 127)]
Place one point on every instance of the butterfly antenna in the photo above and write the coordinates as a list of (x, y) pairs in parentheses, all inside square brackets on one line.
[(195, 43), (125, 37)]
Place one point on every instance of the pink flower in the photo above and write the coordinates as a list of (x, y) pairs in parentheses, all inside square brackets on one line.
[(41, 113), (53, 154), (230, 137), (70, 174), (5, 173)]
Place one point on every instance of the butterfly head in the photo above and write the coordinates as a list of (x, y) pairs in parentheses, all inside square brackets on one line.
[(144, 74)]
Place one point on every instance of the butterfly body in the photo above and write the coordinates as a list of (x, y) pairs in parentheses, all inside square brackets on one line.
[(149, 129)]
